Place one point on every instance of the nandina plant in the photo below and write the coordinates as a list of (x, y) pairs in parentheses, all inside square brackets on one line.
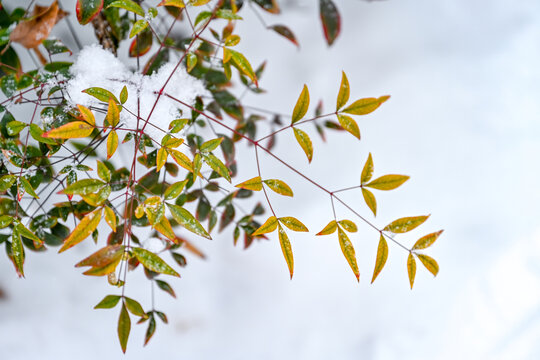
[(93, 147)]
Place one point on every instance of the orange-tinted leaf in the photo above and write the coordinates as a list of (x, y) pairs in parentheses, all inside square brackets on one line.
[(87, 115), (75, 129), (85, 227), (329, 229), (305, 142), (348, 251), (349, 124), (405, 224), (286, 249), (165, 228), (279, 187), (269, 225), (254, 184), (344, 92), (429, 263), (367, 171), (103, 256), (302, 105), (411, 269), (388, 182), (293, 223), (365, 106), (30, 33), (382, 255), (370, 200), (426, 241)]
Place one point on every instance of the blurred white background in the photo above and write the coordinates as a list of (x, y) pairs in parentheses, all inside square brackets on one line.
[(464, 77)]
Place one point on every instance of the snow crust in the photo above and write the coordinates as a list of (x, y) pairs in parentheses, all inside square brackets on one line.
[(96, 67)]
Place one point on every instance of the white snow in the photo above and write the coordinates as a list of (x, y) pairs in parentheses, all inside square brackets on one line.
[(96, 67)]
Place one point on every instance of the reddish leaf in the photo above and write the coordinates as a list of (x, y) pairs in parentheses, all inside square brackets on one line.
[(331, 20), (87, 10), (285, 32)]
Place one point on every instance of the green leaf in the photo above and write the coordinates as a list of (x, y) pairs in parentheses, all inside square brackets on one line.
[(305, 142), (5, 221), (382, 256), (279, 187), (367, 171), (365, 106), (153, 262), (108, 302), (150, 330), (84, 187), (227, 15), (405, 224), (124, 327), (331, 21), (348, 225), (55, 46), (293, 223), (254, 184), (329, 229), (349, 124), (17, 250), (101, 94), (14, 127), (240, 62), (124, 95), (426, 241), (217, 166), (411, 269), (134, 307), (370, 200), (429, 263), (85, 227), (75, 129), (25, 232), (211, 145), (175, 190), (139, 26), (128, 5), (37, 134), (165, 287), (344, 92), (388, 182), (27, 187), (6, 182), (103, 171), (302, 105), (269, 226), (286, 249), (188, 221), (87, 10), (348, 250)]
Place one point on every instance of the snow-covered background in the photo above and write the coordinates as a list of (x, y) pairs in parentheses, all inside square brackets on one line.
[(462, 121)]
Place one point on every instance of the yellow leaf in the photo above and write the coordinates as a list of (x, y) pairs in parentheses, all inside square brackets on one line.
[(411, 269), (348, 250), (269, 226), (388, 182), (165, 228), (365, 106), (242, 64), (286, 249), (279, 187), (293, 223), (367, 171), (75, 129), (113, 114), (112, 143), (302, 105), (348, 225), (429, 263), (369, 198), (382, 255), (254, 184), (329, 229), (85, 227), (344, 92), (110, 218), (349, 124), (305, 142), (176, 3), (181, 159), (87, 115), (405, 224), (161, 158), (426, 241)]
